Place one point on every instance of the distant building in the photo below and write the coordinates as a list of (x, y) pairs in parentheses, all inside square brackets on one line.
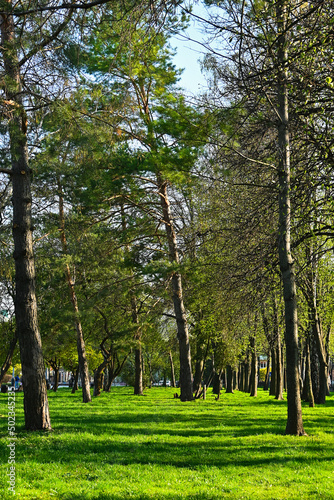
[(263, 361)]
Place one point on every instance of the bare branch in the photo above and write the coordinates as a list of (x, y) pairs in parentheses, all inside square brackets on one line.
[(6, 171)]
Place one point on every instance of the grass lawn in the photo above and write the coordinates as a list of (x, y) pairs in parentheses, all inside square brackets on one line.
[(123, 447)]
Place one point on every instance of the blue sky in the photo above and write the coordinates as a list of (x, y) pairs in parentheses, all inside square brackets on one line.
[(189, 53)]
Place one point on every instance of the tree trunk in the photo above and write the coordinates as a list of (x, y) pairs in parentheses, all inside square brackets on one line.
[(36, 407), (241, 377), (172, 372), (266, 382), (269, 338), (55, 379), (285, 378), (82, 359), (55, 365), (308, 377), (138, 388), (201, 357), (106, 379), (294, 420), (198, 375), (303, 373), (321, 354), (253, 390), (229, 379), (186, 381), (247, 374), (98, 379), (235, 376), (209, 379), (273, 384), (111, 376), (115, 370), (328, 358), (99, 372), (81, 348), (279, 369), (318, 344), (315, 375), (138, 384), (277, 355), (75, 383), (217, 383), (307, 390), (151, 372)]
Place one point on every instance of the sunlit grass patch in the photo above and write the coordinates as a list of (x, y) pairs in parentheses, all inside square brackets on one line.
[(155, 447)]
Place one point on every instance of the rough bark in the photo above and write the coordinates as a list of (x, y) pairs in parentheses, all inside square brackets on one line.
[(253, 381), (186, 381), (229, 379), (36, 408), (98, 379), (294, 420), (235, 376)]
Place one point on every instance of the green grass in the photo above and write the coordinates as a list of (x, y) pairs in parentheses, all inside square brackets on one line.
[(123, 447)]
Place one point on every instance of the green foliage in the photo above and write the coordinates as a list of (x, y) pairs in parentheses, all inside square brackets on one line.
[(263, 372)]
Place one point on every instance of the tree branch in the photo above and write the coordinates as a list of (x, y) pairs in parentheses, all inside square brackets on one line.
[(52, 8), (48, 39), (6, 171)]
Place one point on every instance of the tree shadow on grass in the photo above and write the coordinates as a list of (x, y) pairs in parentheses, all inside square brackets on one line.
[(200, 496), (172, 423), (191, 453), (183, 496)]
